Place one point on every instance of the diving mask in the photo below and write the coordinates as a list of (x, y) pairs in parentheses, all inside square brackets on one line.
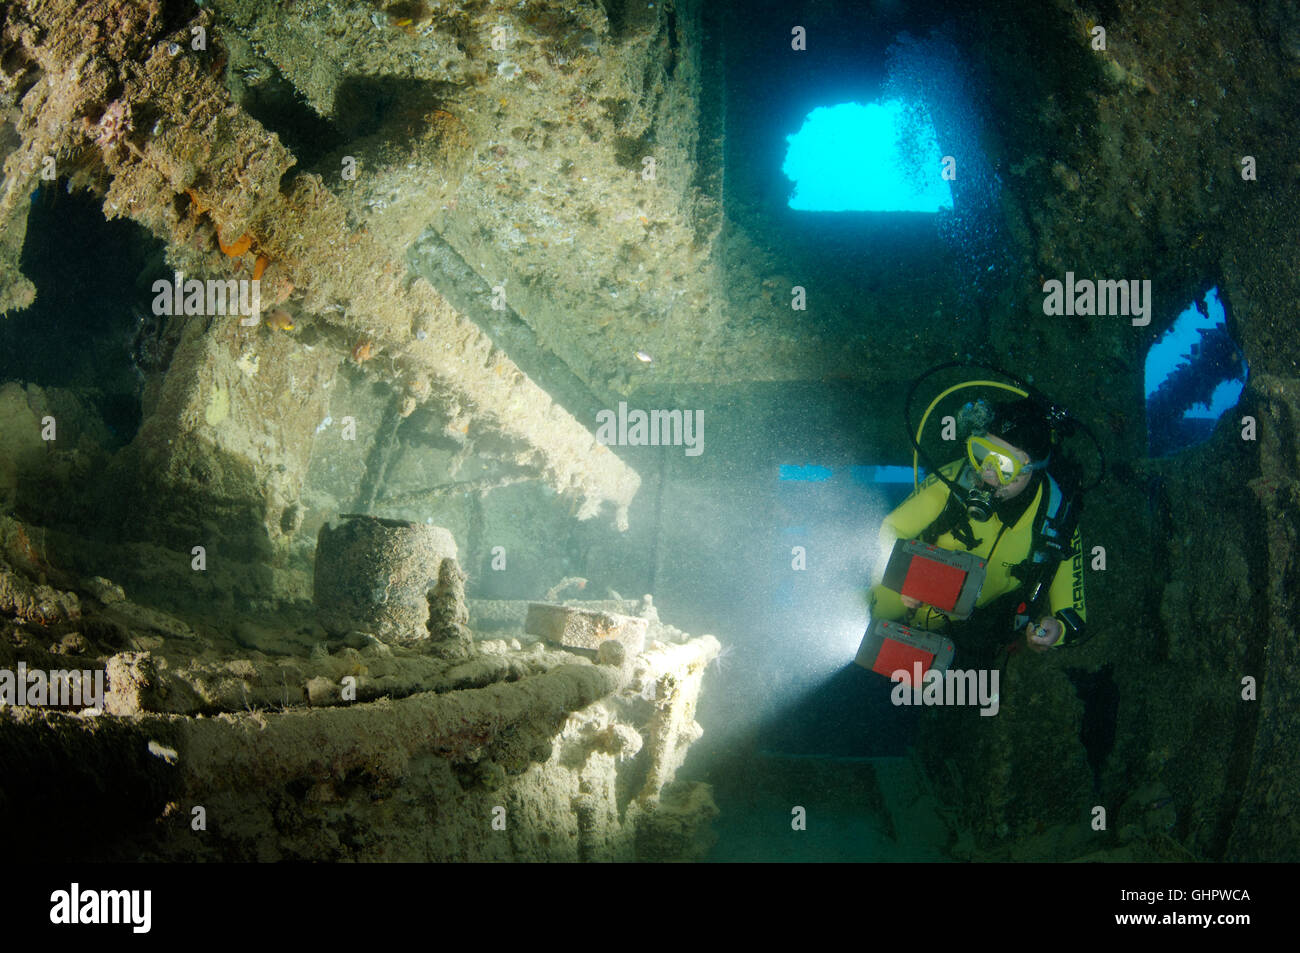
[(987, 456)]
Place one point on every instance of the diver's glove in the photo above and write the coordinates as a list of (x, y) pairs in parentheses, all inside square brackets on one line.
[(1045, 634)]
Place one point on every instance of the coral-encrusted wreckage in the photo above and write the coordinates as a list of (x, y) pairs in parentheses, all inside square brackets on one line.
[(351, 705)]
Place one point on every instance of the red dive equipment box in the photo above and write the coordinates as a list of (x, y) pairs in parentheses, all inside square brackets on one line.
[(890, 646), (938, 577)]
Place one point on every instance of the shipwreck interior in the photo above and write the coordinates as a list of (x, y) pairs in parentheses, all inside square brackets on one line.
[(326, 330)]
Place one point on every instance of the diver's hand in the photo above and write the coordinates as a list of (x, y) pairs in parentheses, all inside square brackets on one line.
[(910, 602), (1044, 635)]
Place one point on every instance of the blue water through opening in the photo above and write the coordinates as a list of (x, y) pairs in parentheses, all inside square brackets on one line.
[(873, 157), (1195, 373)]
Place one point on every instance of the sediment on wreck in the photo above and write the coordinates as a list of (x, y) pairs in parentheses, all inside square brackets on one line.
[(359, 387), (505, 753), (146, 122)]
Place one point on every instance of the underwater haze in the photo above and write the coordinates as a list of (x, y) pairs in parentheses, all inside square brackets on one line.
[(616, 431)]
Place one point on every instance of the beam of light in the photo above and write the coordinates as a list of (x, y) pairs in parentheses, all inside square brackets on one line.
[(878, 157), (834, 512)]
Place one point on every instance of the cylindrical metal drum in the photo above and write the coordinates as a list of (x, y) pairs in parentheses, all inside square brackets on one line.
[(374, 575)]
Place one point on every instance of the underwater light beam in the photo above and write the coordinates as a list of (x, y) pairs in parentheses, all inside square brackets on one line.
[(878, 157)]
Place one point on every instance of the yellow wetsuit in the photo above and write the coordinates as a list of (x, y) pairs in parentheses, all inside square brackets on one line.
[(1001, 547)]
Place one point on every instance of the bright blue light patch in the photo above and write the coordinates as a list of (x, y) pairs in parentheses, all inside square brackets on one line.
[(861, 474), (896, 474), (808, 474), (881, 474), (881, 157), (1194, 375)]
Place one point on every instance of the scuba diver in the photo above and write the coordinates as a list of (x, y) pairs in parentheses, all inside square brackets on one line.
[(991, 536)]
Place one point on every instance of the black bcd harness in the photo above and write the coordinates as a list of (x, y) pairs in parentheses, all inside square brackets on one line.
[(1055, 522)]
